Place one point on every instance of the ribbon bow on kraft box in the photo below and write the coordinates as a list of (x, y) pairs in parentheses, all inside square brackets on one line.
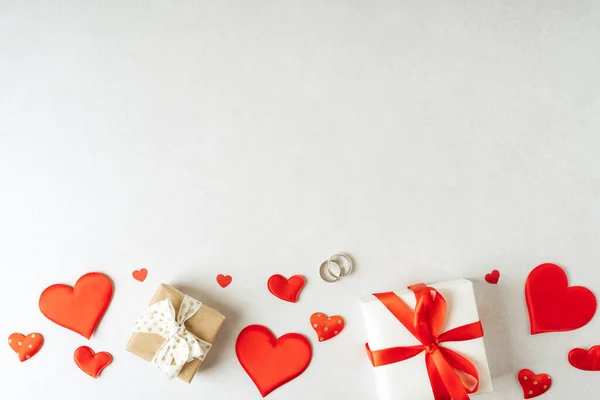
[(175, 333), (427, 342)]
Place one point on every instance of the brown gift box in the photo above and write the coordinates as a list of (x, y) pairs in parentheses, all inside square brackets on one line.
[(205, 325)]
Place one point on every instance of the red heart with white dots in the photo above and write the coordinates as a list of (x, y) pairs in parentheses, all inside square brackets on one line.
[(326, 327), (25, 346), (534, 385)]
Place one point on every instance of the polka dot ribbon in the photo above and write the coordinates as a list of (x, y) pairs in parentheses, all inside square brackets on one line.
[(181, 345)]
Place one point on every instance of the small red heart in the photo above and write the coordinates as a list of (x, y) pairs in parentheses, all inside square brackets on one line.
[(286, 289), (90, 362), (534, 385), (79, 308), (326, 327), (26, 346), (140, 274), (269, 361), (586, 360), (554, 306), (224, 280), (492, 277)]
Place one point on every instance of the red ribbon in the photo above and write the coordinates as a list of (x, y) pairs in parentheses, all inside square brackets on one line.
[(452, 376)]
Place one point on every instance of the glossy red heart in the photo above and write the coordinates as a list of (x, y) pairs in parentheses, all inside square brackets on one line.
[(140, 274), (493, 277), (26, 346), (554, 306), (90, 362), (79, 308), (286, 289), (534, 385), (224, 280), (326, 327), (271, 362), (587, 360)]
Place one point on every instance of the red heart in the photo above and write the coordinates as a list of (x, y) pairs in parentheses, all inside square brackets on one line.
[(553, 305), (90, 362), (326, 327), (224, 280), (26, 346), (534, 385), (492, 277), (271, 362), (586, 360), (140, 274), (286, 289), (79, 308)]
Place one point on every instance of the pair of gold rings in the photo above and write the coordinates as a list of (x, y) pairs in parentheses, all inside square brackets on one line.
[(336, 267)]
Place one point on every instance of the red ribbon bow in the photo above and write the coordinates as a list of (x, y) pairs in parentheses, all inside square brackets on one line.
[(425, 323)]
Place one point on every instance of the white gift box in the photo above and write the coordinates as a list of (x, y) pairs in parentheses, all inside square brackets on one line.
[(408, 379)]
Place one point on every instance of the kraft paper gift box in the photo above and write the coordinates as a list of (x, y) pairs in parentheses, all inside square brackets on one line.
[(205, 324), (409, 379)]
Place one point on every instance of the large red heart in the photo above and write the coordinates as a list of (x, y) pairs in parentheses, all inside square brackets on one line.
[(286, 289), (272, 362), (79, 308), (90, 362), (586, 360), (534, 385), (553, 305)]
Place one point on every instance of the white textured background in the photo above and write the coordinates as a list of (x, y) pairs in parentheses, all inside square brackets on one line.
[(431, 140)]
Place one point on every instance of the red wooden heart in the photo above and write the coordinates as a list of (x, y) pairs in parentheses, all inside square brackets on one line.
[(140, 274), (286, 289), (26, 346), (326, 327), (493, 277), (90, 362), (224, 280), (553, 305), (271, 362), (79, 308), (534, 385), (586, 360)]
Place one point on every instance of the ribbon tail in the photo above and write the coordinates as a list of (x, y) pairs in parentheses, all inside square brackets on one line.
[(392, 355), (449, 377), (438, 386), (465, 369)]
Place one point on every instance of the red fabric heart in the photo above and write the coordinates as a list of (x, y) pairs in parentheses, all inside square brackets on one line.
[(224, 280), (493, 277), (286, 289), (271, 362), (534, 385), (79, 308), (26, 346), (553, 305), (326, 327), (140, 274), (586, 360), (90, 362)]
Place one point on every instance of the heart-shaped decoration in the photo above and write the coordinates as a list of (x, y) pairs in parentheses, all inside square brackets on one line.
[(493, 277), (140, 274), (25, 346), (587, 360), (554, 306), (326, 327), (271, 362), (286, 289), (224, 280), (90, 362), (534, 385), (79, 308)]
